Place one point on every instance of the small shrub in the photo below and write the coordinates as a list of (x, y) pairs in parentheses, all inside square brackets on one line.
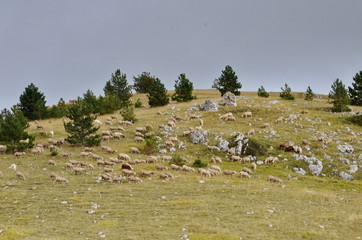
[(179, 161), (138, 104), (356, 120), (54, 152), (286, 93), (199, 164), (262, 92), (151, 146), (128, 114)]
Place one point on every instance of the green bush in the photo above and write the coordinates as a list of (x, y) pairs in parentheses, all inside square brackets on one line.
[(286, 93), (178, 160), (138, 104), (199, 164), (262, 92), (356, 120), (128, 114), (151, 146)]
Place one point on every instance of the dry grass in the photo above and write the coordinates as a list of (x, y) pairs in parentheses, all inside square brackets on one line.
[(221, 208)]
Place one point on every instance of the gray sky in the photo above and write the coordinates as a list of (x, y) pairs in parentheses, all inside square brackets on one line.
[(66, 47)]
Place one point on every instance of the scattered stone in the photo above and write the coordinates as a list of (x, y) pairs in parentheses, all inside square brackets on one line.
[(259, 162), (344, 160), (348, 149), (198, 137), (229, 99), (345, 176), (223, 145), (209, 105), (299, 171), (353, 169)]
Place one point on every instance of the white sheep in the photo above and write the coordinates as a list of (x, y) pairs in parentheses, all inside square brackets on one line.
[(78, 170), (247, 114), (247, 170), (20, 175), (229, 172), (51, 134), (175, 167), (127, 172), (97, 122), (187, 168), (60, 179), (13, 167), (145, 173), (166, 176), (204, 172), (244, 174), (139, 139), (3, 148), (274, 179), (52, 163), (123, 156), (133, 179), (135, 150), (251, 132), (160, 167)]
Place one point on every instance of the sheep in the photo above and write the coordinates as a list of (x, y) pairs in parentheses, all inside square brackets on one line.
[(115, 160), (79, 170), (229, 172), (251, 132), (204, 172), (68, 166), (152, 159), (133, 179), (247, 170), (186, 133), (89, 149), (175, 167), (19, 154), (305, 111), (247, 114), (74, 162), (127, 123), (52, 163), (119, 179), (231, 118), (193, 116), (106, 138), (149, 134), (60, 179), (216, 168), (3, 148), (107, 170), (106, 177), (201, 122), (213, 148), (140, 129), (244, 174), (245, 159), (298, 149), (352, 138), (53, 175), (109, 151), (159, 113), (216, 159), (66, 155), (139, 134), (213, 172), (51, 134), (85, 154), (127, 166), (225, 116), (178, 118), (174, 139), (13, 167), (97, 122), (135, 150), (101, 163), (20, 175), (265, 125), (166, 176), (235, 158), (160, 167), (96, 157), (169, 144), (253, 166), (305, 142), (38, 127), (36, 151), (137, 161), (171, 124), (24, 141), (123, 156), (127, 172), (279, 120), (166, 158), (139, 139), (274, 179), (188, 169), (118, 135), (271, 160), (145, 173)]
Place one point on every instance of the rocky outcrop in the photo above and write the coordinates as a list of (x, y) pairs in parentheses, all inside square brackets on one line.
[(229, 99), (345, 176), (198, 137), (210, 106)]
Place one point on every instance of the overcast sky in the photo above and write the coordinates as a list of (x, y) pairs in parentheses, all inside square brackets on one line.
[(66, 47)]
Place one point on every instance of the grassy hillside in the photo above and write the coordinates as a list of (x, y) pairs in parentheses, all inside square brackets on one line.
[(220, 207)]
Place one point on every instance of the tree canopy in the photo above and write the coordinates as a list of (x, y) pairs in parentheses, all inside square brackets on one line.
[(340, 97), (355, 92), (143, 82), (118, 86), (227, 82), (183, 89), (32, 103), (157, 95)]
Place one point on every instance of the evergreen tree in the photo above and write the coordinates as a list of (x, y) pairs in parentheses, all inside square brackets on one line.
[(286, 93), (227, 82), (91, 101), (143, 82), (32, 103), (12, 130), (340, 97), (81, 129), (157, 95), (183, 89), (128, 114), (262, 92), (59, 110), (355, 92), (309, 94), (119, 87)]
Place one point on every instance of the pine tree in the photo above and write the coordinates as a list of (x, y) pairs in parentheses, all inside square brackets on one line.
[(286, 93), (355, 92), (12, 130), (262, 92), (227, 82), (119, 87), (32, 103), (143, 82), (183, 89), (309, 94), (157, 95), (91, 101), (81, 129), (340, 97)]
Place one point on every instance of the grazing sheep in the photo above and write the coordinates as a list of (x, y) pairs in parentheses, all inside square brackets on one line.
[(127, 166), (305, 142), (145, 173), (187, 168), (216, 159), (101, 163), (85, 154), (305, 111), (171, 124), (186, 133), (96, 157), (213, 172), (274, 179), (159, 113), (66, 155), (193, 116), (247, 170), (216, 168), (175, 167), (13, 167), (51, 134), (118, 135), (178, 118), (135, 150), (231, 118), (229, 172), (38, 127), (279, 120), (253, 166), (204, 172), (133, 179), (89, 149), (139, 139), (152, 159), (166, 175), (60, 179), (245, 160), (52, 163), (244, 174), (106, 177), (36, 151), (20, 175), (352, 138), (115, 160), (271, 160), (141, 129), (97, 122), (123, 156), (68, 166), (78, 170), (160, 167), (225, 116), (251, 132), (166, 158), (127, 123), (247, 114), (24, 141), (235, 158), (19, 154), (119, 179), (265, 125), (127, 172), (169, 144), (174, 139), (107, 170), (201, 122)]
